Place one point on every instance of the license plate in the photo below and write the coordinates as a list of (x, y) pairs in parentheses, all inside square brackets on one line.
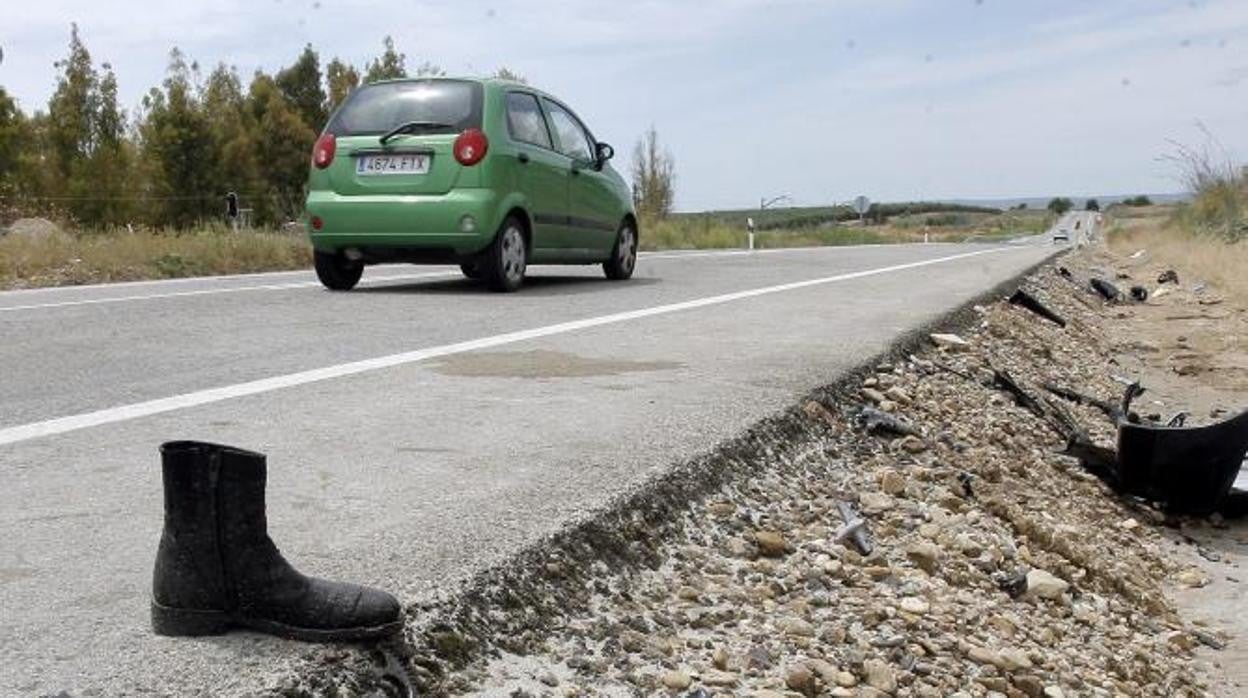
[(399, 163)]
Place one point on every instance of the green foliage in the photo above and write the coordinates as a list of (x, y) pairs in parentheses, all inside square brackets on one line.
[(301, 86), (342, 79), (654, 177), (506, 73), (13, 132), (1060, 205), (1092, 205), (1140, 200), (388, 66)]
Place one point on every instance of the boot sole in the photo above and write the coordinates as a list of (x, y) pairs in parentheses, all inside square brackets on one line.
[(183, 622)]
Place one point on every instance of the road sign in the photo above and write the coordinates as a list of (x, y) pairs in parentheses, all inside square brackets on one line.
[(749, 223), (861, 205)]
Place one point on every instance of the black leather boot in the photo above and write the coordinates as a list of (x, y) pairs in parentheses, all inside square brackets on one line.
[(217, 568)]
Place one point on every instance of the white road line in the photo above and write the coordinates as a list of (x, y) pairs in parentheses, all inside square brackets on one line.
[(301, 284), (213, 291), (123, 413)]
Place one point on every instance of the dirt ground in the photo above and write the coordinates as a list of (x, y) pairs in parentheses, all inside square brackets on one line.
[(1189, 346)]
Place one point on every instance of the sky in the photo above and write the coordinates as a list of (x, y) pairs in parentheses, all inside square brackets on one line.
[(820, 100)]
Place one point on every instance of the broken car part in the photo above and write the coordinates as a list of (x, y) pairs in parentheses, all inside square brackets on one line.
[(1003, 380), (1107, 290), (875, 421), (1186, 470), (217, 568), (854, 528), (1139, 294), (1024, 299), (1168, 276)]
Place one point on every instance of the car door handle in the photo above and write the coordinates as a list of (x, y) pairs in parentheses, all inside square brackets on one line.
[(523, 158)]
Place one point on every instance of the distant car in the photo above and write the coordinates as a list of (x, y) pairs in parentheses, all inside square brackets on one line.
[(488, 174), (1061, 234)]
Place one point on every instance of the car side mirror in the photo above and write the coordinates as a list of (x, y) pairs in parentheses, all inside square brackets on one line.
[(605, 152)]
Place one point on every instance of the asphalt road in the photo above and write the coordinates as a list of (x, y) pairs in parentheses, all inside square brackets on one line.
[(417, 429)]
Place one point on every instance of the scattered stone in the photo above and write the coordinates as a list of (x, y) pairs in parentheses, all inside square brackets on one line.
[(914, 605), (913, 444), (1193, 578), (676, 680), (801, 679), (925, 555), (1041, 584), (770, 543), (880, 675), (892, 482), (719, 659), (549, 679), (717, 678), (875, 396), (949, 341), (898, 394), (844, 679)]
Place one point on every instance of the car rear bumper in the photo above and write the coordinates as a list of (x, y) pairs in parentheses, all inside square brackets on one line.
[(430, 226)]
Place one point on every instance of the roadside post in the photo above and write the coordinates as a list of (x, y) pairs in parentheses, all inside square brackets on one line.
[(231, 209), (749, 226)]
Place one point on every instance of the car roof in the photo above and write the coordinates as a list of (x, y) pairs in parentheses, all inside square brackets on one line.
[(491, 81)]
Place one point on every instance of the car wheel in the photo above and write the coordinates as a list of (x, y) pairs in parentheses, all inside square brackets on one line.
[(623, 255), (336, 272), (504, 262), (472, 271)]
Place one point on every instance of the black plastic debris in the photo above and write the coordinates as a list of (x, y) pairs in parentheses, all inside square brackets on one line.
[(1139, 294), (1107, 290), (1168, 276), (1014, 584), (1024, 299), (1187, 470), (1003, 380), (1063, 271), (875, 421)]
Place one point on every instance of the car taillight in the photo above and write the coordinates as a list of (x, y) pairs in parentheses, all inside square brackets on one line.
[(323, 151), (470, 147)]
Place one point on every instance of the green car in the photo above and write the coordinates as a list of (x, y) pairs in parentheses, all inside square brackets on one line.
[(488, 174)]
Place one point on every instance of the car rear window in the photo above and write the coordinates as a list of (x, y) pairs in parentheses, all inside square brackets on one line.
[(376, 109)]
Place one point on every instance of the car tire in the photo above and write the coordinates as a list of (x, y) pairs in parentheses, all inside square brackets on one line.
[(336, 272), (472, 271), (504, 262), (623, 254)]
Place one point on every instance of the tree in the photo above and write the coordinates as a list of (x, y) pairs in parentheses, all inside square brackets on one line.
[(301, 86), (388, 66), (1060, 205), (12, 132), (234, 146), (71, 107), (177, 146), (505, 73), (1092, 205), (342, 79), (654, 176), (283, 145), (1140, 200)]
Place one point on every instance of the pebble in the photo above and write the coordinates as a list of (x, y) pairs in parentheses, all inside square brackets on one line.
[(914, 605), (676, 680), (801, 679), (1041, 584), (880, 675), (770, 543)]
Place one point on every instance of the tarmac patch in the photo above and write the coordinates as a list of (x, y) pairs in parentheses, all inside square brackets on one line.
[(541, 363)]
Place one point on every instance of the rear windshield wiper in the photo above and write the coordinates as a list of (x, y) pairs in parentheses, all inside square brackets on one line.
[(409, 126)]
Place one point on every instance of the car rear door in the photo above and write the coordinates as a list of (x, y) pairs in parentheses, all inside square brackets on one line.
[(541, 173), (591, 198)]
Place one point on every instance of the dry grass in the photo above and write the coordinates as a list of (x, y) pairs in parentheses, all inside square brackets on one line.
[(81, 258), (1194, 256)]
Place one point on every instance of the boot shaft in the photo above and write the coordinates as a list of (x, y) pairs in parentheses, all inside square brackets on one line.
[(214, 507)]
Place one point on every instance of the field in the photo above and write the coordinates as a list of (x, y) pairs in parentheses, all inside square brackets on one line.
[(54, 258), (50, 255), (1166, 233)]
